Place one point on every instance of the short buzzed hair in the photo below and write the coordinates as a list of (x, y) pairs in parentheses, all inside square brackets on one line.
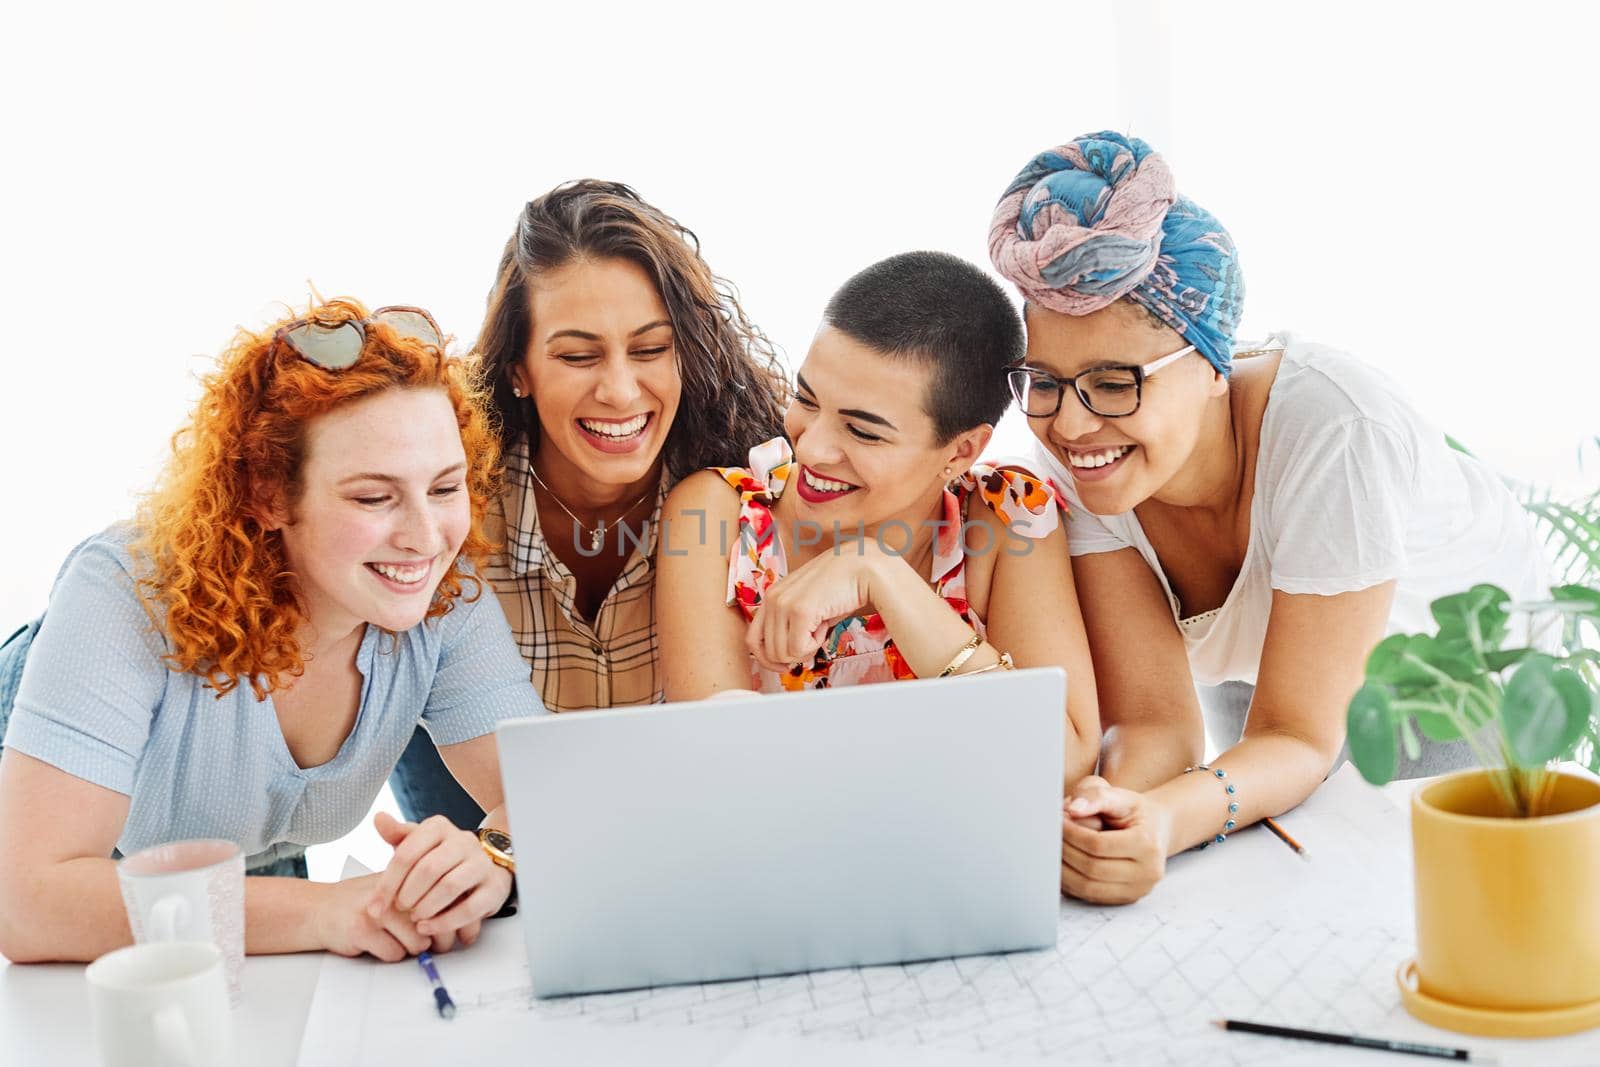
[(939, 310)]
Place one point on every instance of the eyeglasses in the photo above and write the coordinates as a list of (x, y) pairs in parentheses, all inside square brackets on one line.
[(337, 346), (1113, 392)]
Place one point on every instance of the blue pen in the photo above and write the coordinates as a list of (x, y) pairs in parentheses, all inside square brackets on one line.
[(447, 1007)]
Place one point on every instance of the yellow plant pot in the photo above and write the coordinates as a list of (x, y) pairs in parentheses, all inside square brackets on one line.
[(1508, 910)]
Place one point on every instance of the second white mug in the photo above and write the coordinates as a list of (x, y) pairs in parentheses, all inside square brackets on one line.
[(161, 1005)]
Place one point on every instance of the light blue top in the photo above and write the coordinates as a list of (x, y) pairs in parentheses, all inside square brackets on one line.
[(97, 701)]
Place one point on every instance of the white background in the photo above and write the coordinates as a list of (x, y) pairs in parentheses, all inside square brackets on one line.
[(1410, 181)]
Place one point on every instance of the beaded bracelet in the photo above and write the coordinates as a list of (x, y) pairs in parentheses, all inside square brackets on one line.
[(1233, 804)]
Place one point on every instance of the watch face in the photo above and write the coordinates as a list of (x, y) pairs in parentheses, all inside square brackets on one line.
[(498, 839)]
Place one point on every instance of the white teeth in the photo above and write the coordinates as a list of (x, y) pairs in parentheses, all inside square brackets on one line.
[(1085, 460), (823, 485), (615, 429), (403, 575)]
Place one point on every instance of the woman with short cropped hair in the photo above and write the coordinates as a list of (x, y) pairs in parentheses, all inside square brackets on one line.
[(868, 544)]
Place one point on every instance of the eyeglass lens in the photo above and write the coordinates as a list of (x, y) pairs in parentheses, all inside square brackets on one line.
[(1113, 391)]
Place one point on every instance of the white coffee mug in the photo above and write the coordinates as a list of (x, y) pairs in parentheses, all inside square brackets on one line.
[(161, 1005), (188, 891)]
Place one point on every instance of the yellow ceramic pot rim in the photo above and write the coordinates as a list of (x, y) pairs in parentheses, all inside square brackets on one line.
[(1500, 823)]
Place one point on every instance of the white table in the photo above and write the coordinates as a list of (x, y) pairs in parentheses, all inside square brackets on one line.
[(44, 1012), (44, 1009)]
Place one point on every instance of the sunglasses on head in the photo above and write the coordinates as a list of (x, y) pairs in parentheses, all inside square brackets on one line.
[(337, 346)]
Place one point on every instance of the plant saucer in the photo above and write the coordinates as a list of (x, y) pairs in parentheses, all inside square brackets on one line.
[(1491, 1022)]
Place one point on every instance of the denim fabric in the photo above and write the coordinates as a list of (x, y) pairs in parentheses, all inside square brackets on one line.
[(13, 655), (423, 786), (282, 867), (291, 866)]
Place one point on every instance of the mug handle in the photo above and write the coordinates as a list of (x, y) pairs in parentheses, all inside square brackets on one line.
[(167, 916), (172, 1034)]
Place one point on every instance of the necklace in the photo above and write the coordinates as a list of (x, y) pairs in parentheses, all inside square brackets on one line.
[(597, 535)]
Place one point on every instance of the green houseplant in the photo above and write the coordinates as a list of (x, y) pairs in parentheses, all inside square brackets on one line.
[(1520, 708), (1506, 857)]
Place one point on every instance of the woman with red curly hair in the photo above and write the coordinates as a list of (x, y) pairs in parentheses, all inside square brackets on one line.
[(248, 659)]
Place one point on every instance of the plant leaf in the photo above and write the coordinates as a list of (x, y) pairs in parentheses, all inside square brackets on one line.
[(1583, 710), (1544, 712), (1475, 619), (1437, 726), (1388, 663), (1508, 657), (1371, 726), (1455, 657), (1580, 594), (1573, 531)]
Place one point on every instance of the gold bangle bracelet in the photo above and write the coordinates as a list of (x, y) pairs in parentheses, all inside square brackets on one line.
[(963, 654), (1003, 664)]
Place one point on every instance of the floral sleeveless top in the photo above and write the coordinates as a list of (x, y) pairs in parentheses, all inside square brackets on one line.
[(859, 649)]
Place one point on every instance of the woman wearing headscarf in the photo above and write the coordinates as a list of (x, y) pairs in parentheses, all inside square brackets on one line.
[(1251, 520)]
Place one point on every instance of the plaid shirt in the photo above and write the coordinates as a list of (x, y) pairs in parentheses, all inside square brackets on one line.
[(575, 665)]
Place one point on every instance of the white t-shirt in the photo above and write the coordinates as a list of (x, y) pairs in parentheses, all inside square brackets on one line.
[(1353, 488)]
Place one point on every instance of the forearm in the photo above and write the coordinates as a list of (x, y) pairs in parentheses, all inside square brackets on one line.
[(1143, 755), (1081, 755), (69, 911), (73, 911), (927, 633), (1269, 772), (280, 915)]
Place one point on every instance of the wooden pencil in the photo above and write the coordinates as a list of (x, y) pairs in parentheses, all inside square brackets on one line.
[(1283, 835)]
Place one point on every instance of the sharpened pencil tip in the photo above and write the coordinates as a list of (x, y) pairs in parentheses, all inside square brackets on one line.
[(1220, 1024)]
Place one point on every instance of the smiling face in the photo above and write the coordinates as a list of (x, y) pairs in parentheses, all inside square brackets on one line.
[(602, 370), (383, 510), (863, 441), (1118, 463)]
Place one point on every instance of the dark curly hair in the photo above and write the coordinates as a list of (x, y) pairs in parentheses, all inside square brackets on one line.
[(734, 389)]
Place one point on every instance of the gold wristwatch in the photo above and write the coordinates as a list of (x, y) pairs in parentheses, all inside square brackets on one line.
[(497, 843)]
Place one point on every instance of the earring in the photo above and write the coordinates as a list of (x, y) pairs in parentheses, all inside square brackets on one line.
[(949, 472), (516, 391)]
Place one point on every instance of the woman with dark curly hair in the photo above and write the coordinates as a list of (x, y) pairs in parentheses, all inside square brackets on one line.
[(248, 658), (616, 363)]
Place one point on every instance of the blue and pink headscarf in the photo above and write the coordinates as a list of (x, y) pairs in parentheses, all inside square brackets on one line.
[(1098, 219)]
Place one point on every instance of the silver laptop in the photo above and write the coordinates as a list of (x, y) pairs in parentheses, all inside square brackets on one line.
[(777, 834)]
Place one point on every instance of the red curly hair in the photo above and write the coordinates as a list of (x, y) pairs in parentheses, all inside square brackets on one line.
[(219, 585)]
